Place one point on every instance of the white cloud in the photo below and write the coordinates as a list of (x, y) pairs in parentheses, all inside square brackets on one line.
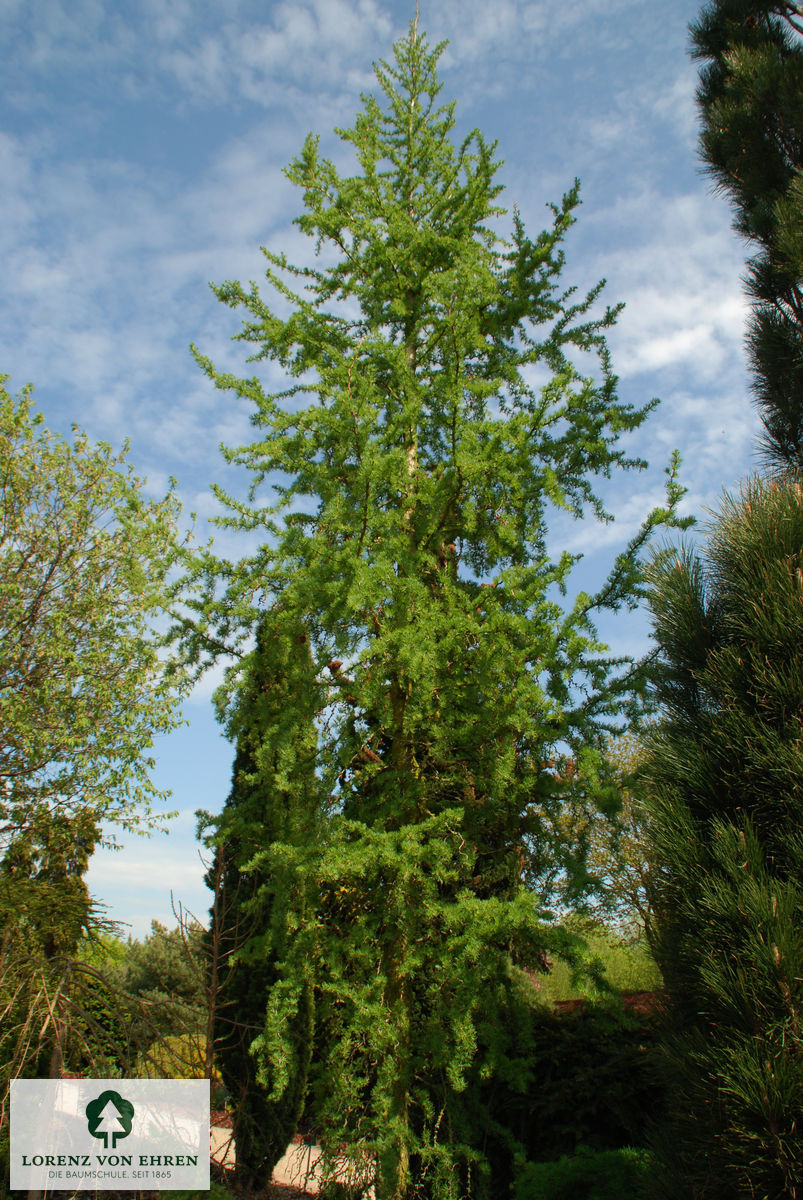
[(525, 31), (675, 104), (631, 503), (212, 679), (168, 22), (679, 269), (641, 117), (80, 33), (137, 881)]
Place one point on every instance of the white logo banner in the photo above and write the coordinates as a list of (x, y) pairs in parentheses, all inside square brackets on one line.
[(109, 1134)]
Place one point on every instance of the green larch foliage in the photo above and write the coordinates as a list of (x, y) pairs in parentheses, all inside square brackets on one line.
[(435, 413)]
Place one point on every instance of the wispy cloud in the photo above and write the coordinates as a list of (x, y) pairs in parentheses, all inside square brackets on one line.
[(129, 875), (684, 307)]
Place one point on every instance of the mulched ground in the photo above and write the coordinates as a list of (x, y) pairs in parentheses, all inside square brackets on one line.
[(282, 1191), (274, 1191)]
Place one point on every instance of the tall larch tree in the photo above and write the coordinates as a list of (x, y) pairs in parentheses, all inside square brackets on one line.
[(445, 394), (726, 761)]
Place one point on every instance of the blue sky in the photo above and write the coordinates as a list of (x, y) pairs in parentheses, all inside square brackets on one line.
[(141, 154)]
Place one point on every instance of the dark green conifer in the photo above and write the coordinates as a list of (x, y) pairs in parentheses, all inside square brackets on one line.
[(727, 797), (751, 103), (726, 761), (273, 798)]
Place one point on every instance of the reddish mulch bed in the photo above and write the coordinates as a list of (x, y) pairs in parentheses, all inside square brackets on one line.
[(276, 1191), (282, 1191), (643, 1004)]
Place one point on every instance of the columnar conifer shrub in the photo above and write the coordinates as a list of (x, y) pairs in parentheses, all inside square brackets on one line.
[(274, 798), (435, 413)]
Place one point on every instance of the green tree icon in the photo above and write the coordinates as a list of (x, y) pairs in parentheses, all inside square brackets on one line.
[(110, 1116)]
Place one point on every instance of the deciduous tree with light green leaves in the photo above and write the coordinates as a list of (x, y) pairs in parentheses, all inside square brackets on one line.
[(85, 562), (445, 393)]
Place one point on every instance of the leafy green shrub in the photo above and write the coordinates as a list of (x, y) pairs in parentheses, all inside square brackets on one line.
[(603, 1175), (594, 1081), (546, 1083), (177, 1056)]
